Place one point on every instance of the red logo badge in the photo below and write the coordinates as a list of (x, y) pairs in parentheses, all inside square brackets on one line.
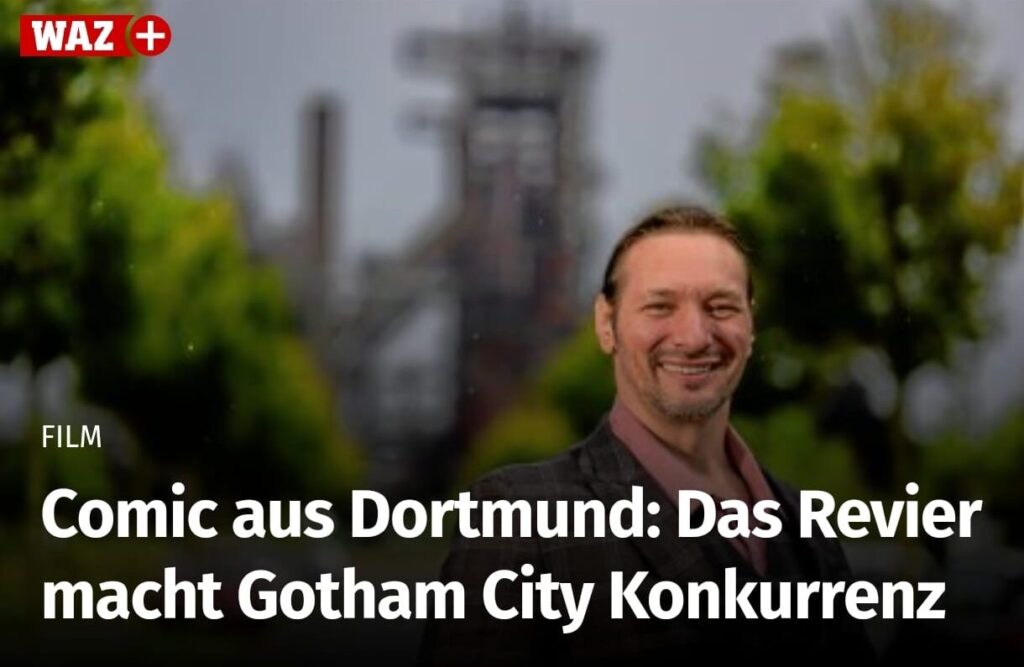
[(92, 35)]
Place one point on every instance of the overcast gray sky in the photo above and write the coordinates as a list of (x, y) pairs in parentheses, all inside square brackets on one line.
[(237, 74)]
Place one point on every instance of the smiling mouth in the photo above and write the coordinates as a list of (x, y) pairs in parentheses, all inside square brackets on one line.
[(689, 369)]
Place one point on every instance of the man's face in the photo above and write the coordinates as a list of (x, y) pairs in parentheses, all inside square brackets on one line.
[(680, 330)]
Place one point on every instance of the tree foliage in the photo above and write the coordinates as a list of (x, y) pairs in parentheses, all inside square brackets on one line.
[(147, 288), (875, 190)]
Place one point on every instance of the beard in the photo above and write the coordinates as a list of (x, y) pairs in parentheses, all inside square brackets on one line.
[(688, 409), (683, 412), (664, 401)]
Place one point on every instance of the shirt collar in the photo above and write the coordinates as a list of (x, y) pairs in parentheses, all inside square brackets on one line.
[(672, 472)]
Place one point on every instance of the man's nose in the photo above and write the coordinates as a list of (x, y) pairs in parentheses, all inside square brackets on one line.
[(691, 330)]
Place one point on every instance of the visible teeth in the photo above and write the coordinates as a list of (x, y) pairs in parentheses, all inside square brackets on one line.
[(687, 370)]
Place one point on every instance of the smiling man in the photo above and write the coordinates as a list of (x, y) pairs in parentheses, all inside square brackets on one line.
[(675, 317)]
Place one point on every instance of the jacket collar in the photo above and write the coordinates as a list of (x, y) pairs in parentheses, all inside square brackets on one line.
[(610, 470)]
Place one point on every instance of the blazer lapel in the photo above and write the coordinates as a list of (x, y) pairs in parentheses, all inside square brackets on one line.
[(810, 551), (611, 472)]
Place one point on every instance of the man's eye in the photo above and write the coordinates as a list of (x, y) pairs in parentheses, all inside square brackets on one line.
[(657, 307), (722, 310)]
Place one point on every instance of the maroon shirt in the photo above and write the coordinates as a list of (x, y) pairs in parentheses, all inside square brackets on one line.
[(673, 473)]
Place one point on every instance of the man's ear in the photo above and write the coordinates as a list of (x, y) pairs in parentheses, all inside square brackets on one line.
[(604, 323)]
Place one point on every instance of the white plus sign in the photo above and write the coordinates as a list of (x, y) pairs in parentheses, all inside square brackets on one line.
[(150, 35)]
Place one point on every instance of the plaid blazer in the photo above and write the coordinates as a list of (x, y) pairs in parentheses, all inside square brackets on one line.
[(602, 468)]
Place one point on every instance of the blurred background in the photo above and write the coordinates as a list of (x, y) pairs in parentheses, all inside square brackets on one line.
[(318, 246)]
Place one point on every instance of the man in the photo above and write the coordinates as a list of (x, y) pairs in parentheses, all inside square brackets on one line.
[(675, 316)]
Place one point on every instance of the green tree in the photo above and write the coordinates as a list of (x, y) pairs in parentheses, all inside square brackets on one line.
[(146, 288), (875, 190)]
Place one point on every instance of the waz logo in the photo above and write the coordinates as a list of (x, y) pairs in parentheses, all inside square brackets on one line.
[(93, 35)]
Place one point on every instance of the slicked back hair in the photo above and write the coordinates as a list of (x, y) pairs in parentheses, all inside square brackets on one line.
[(685, 219)]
